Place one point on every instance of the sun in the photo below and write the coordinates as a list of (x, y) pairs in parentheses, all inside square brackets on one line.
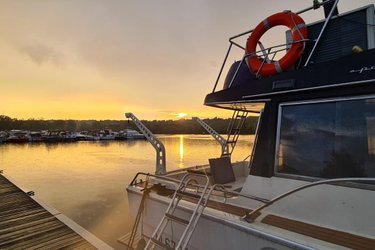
[(181, 115)]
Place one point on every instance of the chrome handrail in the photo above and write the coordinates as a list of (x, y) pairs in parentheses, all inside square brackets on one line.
[(264, 59), (217, 187), (250, 217)]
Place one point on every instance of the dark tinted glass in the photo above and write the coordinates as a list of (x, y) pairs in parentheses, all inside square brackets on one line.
[(329, 140)]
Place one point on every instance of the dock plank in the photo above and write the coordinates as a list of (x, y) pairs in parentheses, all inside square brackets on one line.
[(24, 224)]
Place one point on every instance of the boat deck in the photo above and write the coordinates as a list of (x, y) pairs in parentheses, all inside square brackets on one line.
[(25, 224), (325, 234)]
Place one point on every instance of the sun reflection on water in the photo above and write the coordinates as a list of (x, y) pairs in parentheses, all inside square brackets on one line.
[(181, 163)]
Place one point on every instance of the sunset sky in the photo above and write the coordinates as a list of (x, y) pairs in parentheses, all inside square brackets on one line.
[(97, 59)]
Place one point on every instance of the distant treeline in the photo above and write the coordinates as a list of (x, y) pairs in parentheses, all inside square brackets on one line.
[(184, 126)]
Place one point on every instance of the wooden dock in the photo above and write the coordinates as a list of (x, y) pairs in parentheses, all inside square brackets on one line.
[(25, 224)]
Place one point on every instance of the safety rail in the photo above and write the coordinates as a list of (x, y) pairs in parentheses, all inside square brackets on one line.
[(316, 5), (217, 187), (266, 52), (251, 216)]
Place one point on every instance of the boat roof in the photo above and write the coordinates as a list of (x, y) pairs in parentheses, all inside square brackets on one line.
[(335, 66), (356, 69)]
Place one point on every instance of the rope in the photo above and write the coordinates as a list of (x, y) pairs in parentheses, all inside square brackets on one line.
[(146, 191)]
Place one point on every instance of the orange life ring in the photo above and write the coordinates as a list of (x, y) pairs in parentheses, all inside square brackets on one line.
[(299, 32)]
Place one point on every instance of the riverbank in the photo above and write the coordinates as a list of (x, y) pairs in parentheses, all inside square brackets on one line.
[(182, 126)]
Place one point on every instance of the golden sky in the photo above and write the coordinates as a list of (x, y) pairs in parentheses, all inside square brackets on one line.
[(94, 59)]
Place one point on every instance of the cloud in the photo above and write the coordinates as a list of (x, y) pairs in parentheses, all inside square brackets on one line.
[(41, 53)]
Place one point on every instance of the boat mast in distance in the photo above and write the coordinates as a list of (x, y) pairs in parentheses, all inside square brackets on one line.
[(158, 145)]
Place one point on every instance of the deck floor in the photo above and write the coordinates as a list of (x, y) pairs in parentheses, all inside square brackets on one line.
[(24, 224)]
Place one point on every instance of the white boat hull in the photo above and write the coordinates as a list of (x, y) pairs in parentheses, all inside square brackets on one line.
[(215, 229)]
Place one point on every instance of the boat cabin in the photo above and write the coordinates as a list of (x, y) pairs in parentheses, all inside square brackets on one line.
[(317, 118)]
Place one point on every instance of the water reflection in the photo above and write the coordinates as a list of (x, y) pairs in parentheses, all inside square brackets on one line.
[(86, 180), (180, 165)]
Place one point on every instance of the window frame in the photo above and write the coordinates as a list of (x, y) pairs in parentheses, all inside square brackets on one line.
[(304, 102)]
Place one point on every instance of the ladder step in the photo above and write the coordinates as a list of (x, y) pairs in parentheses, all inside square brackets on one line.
[(177, 219), (161, 244), (187, 194), (230, 142)]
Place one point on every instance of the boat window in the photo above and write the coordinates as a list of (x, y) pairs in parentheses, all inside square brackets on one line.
[(329, 139)]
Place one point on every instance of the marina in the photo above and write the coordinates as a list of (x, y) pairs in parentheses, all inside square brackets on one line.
[(304, 180), (22, 136)]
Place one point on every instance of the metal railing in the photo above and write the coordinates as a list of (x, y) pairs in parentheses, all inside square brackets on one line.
[(316, 5), (216, 187), (251, 216)]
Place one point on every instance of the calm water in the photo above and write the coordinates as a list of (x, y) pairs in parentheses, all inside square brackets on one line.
[(86, 181)]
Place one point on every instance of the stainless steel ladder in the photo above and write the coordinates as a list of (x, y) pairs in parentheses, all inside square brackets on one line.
[(233, 131), (169, 217)]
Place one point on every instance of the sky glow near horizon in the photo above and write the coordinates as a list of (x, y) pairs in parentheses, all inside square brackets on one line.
[(99, 59)]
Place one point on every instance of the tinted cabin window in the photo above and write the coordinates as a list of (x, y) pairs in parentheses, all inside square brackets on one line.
[(328, 139)]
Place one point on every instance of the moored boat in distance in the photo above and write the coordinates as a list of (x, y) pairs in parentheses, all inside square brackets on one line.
[(36, 136), (309, 183), (3, 136), (87, 136), (131, 134), (106, 134), (17, 136), (67, 136), (55, 136), (52, 136)]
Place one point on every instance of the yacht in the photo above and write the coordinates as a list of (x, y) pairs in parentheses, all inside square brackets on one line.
[(36, 136), (107, 134), (18, 136), (52, 136), (309, 183), (133, 134)]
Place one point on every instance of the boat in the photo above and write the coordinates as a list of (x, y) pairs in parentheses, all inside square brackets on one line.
[(309, 182), (106, 134), (87, 136), (120, 136), (17, 136), (3, 136), (131, 134), (36, 136), (52, 136), (67, 136)]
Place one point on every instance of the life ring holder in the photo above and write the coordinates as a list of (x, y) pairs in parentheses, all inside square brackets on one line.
[(299, 34)]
